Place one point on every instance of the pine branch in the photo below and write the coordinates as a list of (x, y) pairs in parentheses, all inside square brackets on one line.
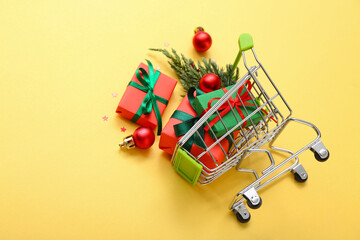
[(189, 74)]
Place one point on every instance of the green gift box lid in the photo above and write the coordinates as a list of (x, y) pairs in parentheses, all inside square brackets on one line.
[(201, 103)]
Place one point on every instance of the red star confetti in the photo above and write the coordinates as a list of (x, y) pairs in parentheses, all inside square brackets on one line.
[(105, 118), (166, 44), (114, 94), (123, 129)]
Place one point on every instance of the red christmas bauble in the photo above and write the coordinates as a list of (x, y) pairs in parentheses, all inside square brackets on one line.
[(202, 40), (144, 137), (210, 82)]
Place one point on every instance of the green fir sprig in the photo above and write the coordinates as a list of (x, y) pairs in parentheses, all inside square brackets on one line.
[(189, 74)]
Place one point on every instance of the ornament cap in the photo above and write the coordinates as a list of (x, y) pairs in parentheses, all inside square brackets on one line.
[(199, 29), (128, 143)]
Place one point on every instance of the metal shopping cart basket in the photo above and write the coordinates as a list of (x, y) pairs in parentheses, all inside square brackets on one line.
[(249, 139)]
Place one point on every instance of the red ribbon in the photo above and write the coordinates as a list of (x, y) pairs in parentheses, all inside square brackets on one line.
[(235, 104)]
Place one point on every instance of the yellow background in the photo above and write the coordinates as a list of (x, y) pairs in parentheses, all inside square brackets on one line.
[(61, 173)]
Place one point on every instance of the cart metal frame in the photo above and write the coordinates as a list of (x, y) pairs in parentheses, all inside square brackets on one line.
[(250, 139)]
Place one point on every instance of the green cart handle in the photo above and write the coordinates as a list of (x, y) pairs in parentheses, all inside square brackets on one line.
[(245, 43)]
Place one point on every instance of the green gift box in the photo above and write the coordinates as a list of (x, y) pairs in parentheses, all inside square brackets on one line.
[(204, 102)]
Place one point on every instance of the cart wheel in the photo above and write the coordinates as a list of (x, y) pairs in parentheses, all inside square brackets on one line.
[(254, 206), (242, 219), (321, 159), (299, 179)]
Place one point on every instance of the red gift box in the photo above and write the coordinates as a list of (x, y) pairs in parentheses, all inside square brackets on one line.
[(133, 97), (168, 139)]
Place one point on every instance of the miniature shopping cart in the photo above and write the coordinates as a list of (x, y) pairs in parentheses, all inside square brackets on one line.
[(248, 139)]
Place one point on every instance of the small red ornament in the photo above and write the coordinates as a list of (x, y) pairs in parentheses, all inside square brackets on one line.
[(193, 66), (210, 82), (143, 137), (202, 40)]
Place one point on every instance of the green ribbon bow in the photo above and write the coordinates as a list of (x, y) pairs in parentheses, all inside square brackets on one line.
[(148, 82), (188, 122)]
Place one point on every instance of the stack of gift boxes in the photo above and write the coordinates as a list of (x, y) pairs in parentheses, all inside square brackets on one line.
[(146, 98)]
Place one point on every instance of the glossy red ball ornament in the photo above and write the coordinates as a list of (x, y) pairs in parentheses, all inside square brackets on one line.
[(202, 40), (210, 82), (144, 137)]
